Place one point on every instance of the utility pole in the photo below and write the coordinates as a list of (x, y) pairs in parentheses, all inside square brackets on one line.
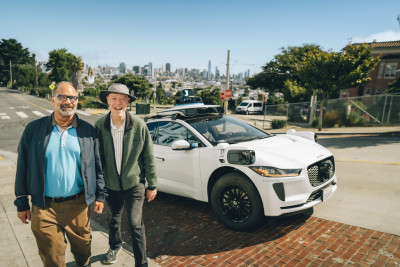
[(10, 74), (227, 83), (36, 76)]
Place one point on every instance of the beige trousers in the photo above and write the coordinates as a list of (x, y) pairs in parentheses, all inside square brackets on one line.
[(57, 221)]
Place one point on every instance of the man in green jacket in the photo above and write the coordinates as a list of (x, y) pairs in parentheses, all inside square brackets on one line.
[(126, 152)]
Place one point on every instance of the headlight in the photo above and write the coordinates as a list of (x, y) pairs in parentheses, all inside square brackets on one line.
[(275, 172), (243, 157)]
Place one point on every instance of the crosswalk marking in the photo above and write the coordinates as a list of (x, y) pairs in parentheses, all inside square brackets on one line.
[(22, 115), (38, 113)]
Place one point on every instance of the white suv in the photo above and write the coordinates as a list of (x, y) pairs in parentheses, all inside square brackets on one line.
[(244, 172)]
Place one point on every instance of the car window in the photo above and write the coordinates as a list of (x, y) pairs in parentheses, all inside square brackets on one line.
[(152, 126), (258, 104), (165, 133), (224, 129)]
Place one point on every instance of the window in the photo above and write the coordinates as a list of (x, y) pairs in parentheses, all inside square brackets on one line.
[(165, 133), (390, 70), (258, 104), (367, 91), (380, 73)]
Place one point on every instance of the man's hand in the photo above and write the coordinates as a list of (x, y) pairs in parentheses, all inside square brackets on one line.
[(98, 206), (24, 216), (151, 194)]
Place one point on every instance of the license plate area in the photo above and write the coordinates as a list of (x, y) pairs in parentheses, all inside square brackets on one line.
[(327, 193)]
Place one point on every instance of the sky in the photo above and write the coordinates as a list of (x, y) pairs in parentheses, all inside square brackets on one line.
[(187, 33)]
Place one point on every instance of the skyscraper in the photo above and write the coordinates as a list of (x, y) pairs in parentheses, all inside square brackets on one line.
[(216, 73), (136, 69), (122, 67), (150, 70), (168, 67), (209, 71)]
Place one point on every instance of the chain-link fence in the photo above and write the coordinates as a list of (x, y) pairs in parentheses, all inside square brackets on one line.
[(352, 111)]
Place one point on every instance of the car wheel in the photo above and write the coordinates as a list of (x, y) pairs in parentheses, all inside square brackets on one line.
[(236, 202)]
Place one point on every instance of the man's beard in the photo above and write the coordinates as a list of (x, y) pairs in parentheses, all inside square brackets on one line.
[(66, 112)]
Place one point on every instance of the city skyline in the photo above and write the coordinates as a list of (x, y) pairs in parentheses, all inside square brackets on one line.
[(190, 34)]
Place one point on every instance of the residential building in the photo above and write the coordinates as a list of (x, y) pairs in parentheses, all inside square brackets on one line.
[(385, 73)]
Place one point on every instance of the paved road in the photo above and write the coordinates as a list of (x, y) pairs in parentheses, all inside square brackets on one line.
[(367, 198)]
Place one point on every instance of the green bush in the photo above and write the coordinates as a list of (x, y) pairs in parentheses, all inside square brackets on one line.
[(91, 92), (42, 92), (355, 119), (314, 123), (295, 117), (331, 118), (278, 124), (33, 92), (90, 102)]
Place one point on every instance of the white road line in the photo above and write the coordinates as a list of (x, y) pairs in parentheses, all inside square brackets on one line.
[(82, 112), (22, 115), (38, 113), (49, 111), (5, 117)]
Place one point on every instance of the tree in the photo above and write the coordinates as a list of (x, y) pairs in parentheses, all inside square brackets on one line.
[(210, 96), (325, 73), (394, 87), (281, 69), (139, 84), (76, 70), (11, 50), (64, 66)]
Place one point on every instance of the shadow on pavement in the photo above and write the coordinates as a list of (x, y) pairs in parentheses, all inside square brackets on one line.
[(178, 226), (358, 141)]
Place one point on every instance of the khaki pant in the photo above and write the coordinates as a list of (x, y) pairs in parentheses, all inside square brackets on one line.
[(51, 224)]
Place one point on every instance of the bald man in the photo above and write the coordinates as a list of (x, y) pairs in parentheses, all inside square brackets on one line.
[(59, 167)]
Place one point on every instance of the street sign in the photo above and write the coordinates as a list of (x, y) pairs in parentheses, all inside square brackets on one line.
[(222, 96), (227, 94), (51, 86)]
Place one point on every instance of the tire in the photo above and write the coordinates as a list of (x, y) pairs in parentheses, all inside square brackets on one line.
[(236, 202)]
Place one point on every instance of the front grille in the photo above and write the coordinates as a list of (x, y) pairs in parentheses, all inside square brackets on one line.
[(314, 196), (321, 171)]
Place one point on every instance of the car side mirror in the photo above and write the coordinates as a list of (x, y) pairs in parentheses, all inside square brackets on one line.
[(180, 145)]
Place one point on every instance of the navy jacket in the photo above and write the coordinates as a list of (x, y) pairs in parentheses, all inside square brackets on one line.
[(31, 164)]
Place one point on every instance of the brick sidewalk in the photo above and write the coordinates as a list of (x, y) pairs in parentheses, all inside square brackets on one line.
[(184, 232)]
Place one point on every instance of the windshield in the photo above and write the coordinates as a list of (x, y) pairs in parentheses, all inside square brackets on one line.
[(225, 129)]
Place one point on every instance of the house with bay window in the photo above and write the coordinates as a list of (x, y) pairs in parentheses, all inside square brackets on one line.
[(385, 73)]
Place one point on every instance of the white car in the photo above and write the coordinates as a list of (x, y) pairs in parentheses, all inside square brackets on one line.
[(244, 172)]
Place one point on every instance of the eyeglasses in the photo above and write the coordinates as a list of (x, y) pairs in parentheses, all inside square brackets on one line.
[(62, 98)]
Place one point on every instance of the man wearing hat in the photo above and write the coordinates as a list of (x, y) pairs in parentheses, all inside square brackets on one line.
[(126, 152)]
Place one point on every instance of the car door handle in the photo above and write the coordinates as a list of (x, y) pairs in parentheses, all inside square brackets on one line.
[(162, 159)]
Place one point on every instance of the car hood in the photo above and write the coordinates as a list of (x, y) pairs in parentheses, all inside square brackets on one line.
[(285, 150)]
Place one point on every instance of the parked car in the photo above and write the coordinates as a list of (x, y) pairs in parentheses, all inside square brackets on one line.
[(244, 172), (250, 106)]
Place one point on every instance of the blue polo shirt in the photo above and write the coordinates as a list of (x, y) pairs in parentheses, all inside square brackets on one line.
[(63, 163)]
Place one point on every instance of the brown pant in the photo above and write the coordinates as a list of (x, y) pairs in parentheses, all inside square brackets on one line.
[(51, 224)]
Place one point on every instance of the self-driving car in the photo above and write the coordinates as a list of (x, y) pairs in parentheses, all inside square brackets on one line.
[(244, 172)]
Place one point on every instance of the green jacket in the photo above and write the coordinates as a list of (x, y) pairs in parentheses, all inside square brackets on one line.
[(137, 157)]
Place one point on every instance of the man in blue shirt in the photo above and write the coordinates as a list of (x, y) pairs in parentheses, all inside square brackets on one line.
[(59, 167)]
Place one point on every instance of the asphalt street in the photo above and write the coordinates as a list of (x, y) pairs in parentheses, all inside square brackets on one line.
[(367, 164)]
